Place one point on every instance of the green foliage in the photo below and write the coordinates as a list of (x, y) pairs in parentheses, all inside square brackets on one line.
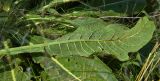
[(87, 69), (78, 40), (95, 36), (10, 72)]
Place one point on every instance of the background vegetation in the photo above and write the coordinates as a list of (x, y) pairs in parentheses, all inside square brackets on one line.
[(79, 40)]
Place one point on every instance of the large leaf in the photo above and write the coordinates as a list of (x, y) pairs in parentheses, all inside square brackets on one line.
[(94, 35), (84, 69)]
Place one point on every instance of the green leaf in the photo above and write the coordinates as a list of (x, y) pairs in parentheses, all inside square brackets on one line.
[(93, 68), (86, 13), (15, 74), (10, 73), (94, 35), (85, 69), (88, 69), (39, 39)]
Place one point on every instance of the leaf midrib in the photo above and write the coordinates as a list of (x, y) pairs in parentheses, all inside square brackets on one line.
[(40, 47)]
